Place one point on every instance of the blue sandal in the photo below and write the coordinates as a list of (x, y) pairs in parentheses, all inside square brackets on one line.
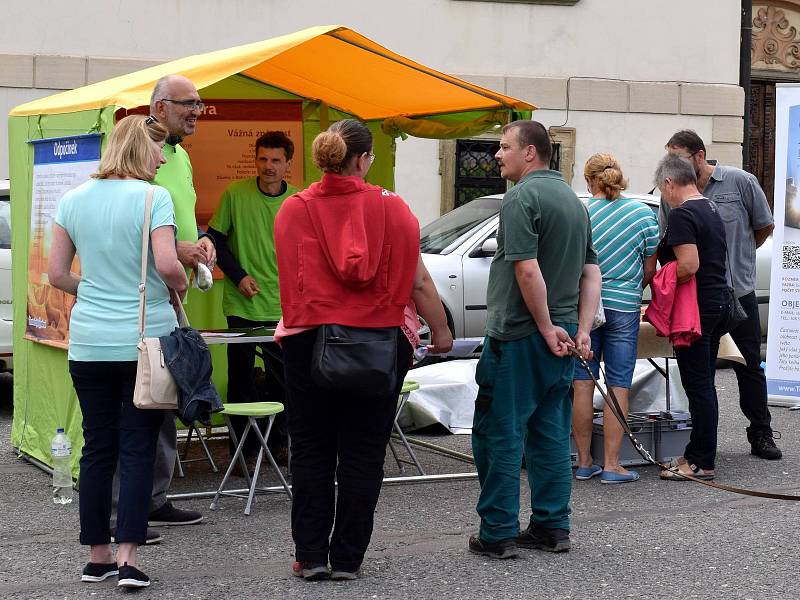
[(584, 473)]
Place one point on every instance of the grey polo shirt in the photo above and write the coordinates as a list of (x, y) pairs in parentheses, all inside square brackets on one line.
[(744, 210)]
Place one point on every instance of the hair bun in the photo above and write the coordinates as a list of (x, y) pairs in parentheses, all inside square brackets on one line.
[(329, 151)]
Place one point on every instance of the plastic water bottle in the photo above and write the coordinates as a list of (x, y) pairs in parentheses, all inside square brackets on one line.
[(61, 450)]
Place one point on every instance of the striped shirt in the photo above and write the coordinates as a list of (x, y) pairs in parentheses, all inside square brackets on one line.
[(624, 233)]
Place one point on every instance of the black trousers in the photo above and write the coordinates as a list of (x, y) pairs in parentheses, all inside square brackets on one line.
[(114, 429), (242, 385), (335, 438), (697, 365), (751, 379)]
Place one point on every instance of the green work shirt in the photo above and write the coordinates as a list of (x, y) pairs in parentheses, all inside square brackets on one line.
[(247, 216), (176, 176), (541, 218)]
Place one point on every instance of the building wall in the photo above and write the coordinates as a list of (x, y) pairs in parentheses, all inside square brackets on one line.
[(595, 58)]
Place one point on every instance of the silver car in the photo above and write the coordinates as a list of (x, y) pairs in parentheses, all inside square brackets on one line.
[(6, 351), (457, 248)]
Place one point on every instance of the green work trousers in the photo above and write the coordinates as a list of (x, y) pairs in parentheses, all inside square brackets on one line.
[(524, 405)]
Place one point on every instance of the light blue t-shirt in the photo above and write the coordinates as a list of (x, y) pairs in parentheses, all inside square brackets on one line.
[(104, 219), (624, 233)]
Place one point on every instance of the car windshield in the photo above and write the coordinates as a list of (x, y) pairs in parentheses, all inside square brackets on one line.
[(442, 232), (5, 224)]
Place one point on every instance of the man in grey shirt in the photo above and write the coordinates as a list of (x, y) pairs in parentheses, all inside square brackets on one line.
[(748, 223)]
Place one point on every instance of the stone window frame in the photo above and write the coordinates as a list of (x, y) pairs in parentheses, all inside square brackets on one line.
[(565, 136)]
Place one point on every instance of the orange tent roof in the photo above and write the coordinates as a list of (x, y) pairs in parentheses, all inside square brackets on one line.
[(331, 64)]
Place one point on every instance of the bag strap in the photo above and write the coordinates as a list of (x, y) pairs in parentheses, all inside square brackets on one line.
[(148, 206), (183, 321)]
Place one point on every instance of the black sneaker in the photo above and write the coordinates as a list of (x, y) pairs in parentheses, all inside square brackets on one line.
[(153, 536), (95, 572), (169, 515), (551, 540), (763, 445), (503, 549), (310, 571), (132, 578)]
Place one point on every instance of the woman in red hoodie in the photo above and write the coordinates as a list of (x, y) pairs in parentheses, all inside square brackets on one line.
[(348, 254)]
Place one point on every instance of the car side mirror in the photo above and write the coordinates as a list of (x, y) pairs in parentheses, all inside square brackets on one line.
[(489, 247)]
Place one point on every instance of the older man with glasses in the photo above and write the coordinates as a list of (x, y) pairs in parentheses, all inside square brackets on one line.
[(176, 104), (748, 223)]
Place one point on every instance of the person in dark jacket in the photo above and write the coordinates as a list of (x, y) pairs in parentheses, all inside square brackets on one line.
[(348, 254)]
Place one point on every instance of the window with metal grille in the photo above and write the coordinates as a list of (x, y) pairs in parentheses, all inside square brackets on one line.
[(477, 172)]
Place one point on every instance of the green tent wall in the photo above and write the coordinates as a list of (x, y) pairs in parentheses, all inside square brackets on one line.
[(43, 394)]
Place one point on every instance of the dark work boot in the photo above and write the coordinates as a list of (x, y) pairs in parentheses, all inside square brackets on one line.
[(502, 549), (762, 444), (550, 540)]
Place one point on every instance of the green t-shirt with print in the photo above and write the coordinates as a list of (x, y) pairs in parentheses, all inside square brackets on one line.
[(541, 218), (247, 216), (176, 176)]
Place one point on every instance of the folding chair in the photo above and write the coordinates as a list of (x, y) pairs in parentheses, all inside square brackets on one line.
[(181, 460), (253, 411)]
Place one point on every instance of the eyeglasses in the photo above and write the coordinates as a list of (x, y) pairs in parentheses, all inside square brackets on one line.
[(188, 104)]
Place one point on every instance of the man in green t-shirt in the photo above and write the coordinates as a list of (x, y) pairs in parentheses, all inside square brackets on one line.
[(175, 104), (544, 286), (243, 229)]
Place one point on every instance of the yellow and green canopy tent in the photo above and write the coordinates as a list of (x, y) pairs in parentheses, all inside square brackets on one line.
[(335, 72)]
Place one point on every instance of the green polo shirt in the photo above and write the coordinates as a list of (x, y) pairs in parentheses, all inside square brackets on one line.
[(247, 216), (541, 218), (176, 176)]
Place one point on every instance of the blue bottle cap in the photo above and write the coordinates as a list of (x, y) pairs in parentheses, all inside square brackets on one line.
[(60, 430)]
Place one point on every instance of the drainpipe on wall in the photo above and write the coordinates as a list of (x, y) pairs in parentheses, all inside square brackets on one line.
[(744, 74)]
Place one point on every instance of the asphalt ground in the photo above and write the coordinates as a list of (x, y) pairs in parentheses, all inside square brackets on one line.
[(649, 539)]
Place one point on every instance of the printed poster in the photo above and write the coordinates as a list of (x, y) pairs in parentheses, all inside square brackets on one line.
[(783, 341), (59, 165), (222, 147)]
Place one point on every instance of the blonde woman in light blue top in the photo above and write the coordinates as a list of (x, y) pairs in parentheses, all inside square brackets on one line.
[(101, 221)]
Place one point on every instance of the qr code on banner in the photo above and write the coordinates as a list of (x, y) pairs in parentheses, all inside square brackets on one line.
[(791, 257)]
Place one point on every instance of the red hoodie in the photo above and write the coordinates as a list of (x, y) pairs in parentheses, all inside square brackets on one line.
[(347, 254)]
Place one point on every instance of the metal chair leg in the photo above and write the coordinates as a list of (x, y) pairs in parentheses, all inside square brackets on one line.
[(257, 470), (206, 450), (394, 454), (398, 430), (271, 458), (236, 456)]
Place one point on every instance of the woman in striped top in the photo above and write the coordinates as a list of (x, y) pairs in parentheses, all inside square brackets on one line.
[(625, 236)]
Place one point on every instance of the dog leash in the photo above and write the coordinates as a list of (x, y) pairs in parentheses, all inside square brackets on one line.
[(611, 400)]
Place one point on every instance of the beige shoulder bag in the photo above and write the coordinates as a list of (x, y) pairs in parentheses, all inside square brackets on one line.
[(155, 387)]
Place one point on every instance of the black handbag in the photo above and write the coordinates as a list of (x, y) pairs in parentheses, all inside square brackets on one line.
[(358, 361), (737, 312)]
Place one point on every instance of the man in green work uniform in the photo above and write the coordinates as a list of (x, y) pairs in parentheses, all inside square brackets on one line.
[(544, 286), (243, 229)]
